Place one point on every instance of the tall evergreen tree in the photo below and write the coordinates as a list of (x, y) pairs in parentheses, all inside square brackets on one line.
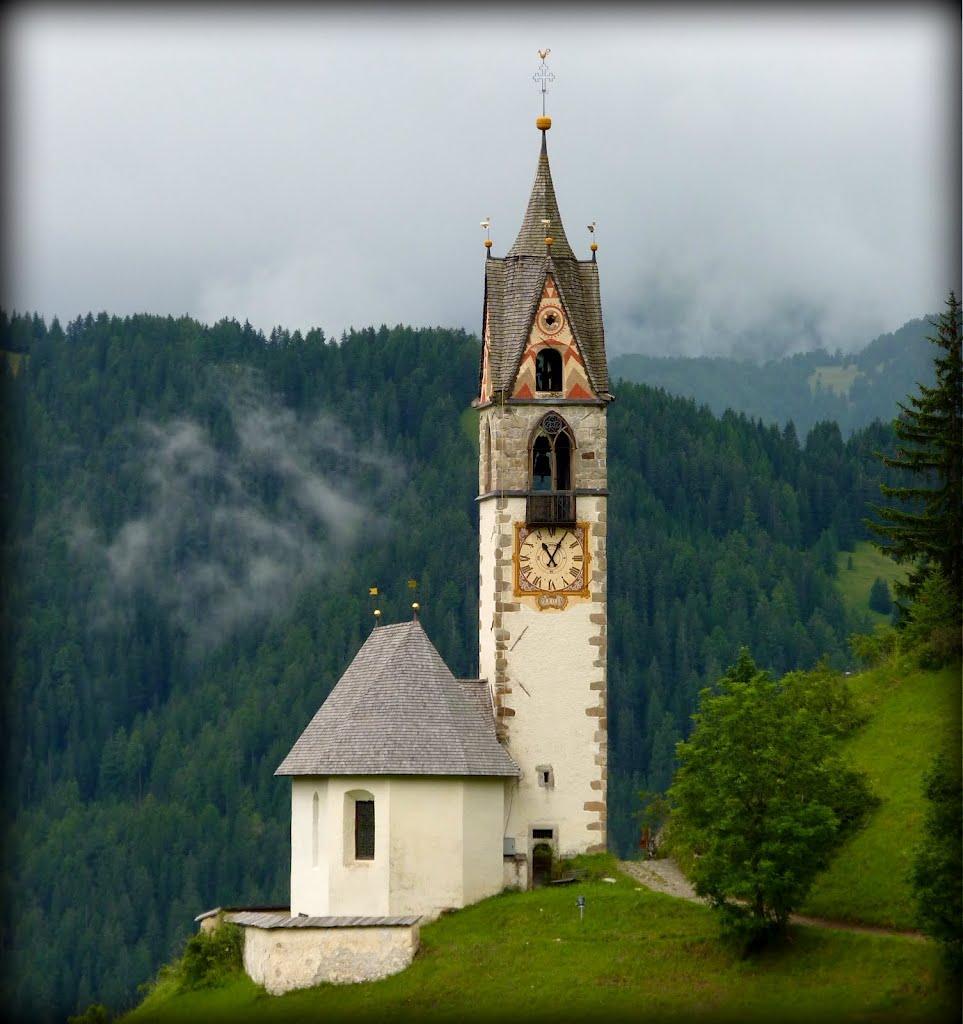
[(929, 433)]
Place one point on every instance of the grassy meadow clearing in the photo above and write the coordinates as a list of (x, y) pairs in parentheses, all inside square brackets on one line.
[(636, 955)]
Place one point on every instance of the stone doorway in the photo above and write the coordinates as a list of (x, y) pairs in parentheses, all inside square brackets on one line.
[(542, 856)]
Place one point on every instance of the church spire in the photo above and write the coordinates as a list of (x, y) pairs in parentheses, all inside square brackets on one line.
[(541, 268), (542, 207)]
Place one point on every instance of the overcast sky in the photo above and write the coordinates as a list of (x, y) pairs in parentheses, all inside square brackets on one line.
[(763, 179)]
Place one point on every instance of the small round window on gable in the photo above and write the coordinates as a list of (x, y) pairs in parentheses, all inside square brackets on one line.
[(550, 320)]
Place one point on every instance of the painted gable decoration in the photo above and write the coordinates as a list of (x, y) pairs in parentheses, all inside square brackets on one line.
[(539, 297), (552, 332)]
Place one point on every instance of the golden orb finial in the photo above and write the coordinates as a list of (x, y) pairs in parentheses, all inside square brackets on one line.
[(543, 123), (377, 614), (594, 247)]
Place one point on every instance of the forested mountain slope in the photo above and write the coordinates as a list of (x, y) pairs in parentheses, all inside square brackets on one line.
[(851, 390), (193, 517)]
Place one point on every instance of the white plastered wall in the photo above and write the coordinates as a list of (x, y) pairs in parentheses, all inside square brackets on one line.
[(547, 671), (338, 884), (438, 844), (483, 816)]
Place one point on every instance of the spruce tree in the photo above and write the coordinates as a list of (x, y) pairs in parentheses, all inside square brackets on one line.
[(929, 448), (879, 598)]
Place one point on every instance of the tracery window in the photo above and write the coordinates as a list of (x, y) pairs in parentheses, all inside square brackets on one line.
[(550, 461)]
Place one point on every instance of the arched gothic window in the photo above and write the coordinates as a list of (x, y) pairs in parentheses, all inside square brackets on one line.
[(551, 460), (548, 370), (550, 463)]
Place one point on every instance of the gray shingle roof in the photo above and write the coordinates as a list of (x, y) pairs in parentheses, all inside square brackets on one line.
[(398, 710), (513, 287), (542, 205)]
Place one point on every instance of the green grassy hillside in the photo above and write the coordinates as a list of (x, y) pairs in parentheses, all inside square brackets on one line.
[(854, 584), (838, 379), (913, 713), (807, 388), (528, 956)]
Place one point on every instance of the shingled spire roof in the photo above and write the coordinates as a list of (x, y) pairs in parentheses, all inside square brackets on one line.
[(398, 710), (513, 288), (542, 205)]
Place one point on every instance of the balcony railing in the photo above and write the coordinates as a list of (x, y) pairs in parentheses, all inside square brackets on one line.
[(548, 508)]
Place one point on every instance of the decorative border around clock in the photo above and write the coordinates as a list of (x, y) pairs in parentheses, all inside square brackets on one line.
[(522, 530)]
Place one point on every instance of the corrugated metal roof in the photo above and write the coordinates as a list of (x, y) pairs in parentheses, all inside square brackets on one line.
[(398, 710), (513, 287)]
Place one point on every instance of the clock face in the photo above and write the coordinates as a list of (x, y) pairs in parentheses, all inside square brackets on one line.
[(551, 559)]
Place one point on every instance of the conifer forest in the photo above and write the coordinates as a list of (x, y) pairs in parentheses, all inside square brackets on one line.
[(193, 517)]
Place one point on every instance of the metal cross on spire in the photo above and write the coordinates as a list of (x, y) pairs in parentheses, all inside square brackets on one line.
[(543, 76)]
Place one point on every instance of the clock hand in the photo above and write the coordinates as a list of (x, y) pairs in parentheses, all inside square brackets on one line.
[(551, 556)]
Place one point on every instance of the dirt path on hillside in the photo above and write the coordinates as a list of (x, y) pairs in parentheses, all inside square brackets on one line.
[(664, 876)]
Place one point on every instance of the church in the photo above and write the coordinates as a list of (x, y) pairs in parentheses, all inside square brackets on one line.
[(413, 792)]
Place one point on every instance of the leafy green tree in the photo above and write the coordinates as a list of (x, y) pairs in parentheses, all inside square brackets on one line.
[(938, 866), (929, 433), (762, 798), (879, 597)]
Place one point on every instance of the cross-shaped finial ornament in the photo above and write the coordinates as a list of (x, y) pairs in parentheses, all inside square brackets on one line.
[(543, 76)]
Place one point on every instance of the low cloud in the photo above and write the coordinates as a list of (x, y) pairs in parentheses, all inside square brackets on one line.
[(235, 526)]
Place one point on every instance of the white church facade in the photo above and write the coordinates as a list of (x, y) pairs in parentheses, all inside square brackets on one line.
[(413, 792), (398, 787)]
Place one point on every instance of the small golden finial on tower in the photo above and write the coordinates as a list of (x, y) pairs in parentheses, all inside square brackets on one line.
[(546, 223), (543, 76), (593, 246), (414, 608), (486, 224)]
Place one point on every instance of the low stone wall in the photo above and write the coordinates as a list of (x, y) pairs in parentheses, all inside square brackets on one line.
[(284, 953)]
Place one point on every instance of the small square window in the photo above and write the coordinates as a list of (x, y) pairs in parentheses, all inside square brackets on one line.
[(545, 775)]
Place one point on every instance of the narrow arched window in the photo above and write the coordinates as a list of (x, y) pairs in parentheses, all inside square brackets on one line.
[(548, 370), (364, 830), (487, 460), (359, 826), (315, 829)]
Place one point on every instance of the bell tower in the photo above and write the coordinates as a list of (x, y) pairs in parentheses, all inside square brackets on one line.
[(542, 399)]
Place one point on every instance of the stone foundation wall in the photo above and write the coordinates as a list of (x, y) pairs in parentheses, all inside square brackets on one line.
[(282, 959)]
